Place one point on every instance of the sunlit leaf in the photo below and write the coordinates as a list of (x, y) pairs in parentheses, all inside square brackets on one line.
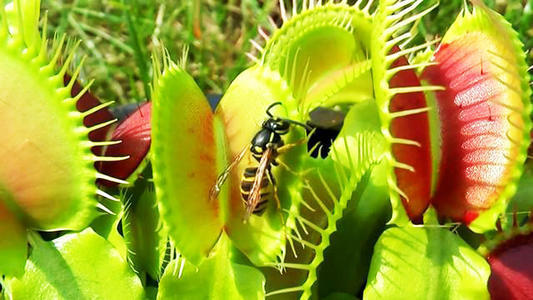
[(217, 278), (75, 266), (425, 263)]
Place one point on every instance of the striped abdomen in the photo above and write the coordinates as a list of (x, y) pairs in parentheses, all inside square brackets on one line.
[(246, 186)]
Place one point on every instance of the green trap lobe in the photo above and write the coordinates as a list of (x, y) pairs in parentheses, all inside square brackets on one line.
[(184, 163), (46, 172)]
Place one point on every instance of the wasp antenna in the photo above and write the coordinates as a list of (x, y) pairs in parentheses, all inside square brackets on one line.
[(270, 107), (283, 119), (307, 127)]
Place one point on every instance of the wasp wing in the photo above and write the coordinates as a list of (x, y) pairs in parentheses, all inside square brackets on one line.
[(215, 189), (255, 193)]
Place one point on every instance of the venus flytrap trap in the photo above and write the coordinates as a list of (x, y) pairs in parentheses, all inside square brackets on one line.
[(489, 117), (28, 54), (483, 133), (262, 238), (426, 262), (48, 182), (402, 108), (321, 51), (193, 218), (46, 185), (134, 136), (491, 110), (31, 63), (183, 190), (507, 248), (511, 274), (144, 236)]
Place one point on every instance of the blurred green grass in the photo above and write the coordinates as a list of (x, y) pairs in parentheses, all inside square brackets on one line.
[(118, 36)]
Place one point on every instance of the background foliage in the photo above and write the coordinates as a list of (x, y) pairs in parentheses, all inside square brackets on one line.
[(118, 36)]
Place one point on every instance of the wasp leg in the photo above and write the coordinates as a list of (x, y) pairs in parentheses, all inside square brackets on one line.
[(275, 194), (295, 173), (288, 147)]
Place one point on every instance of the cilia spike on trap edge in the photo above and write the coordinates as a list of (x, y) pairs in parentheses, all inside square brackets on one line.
[(258, 184)]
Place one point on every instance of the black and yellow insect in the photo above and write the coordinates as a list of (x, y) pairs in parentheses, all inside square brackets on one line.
[(258, 184)]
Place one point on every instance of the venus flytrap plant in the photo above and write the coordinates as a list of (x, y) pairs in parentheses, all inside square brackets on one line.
[(303, 78), (486, 110), (193, 237), (201, 252), (293, 63), (499, 94), (310, 197), (48, 180), (365, 124), (46, 185), (183, 191), (387, 121), (407, 128), (402, 108), (483, 131)]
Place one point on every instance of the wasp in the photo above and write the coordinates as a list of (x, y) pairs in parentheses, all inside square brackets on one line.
[(258, 184)]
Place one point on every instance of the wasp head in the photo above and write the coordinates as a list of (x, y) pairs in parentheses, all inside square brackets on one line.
[(277, 125)]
